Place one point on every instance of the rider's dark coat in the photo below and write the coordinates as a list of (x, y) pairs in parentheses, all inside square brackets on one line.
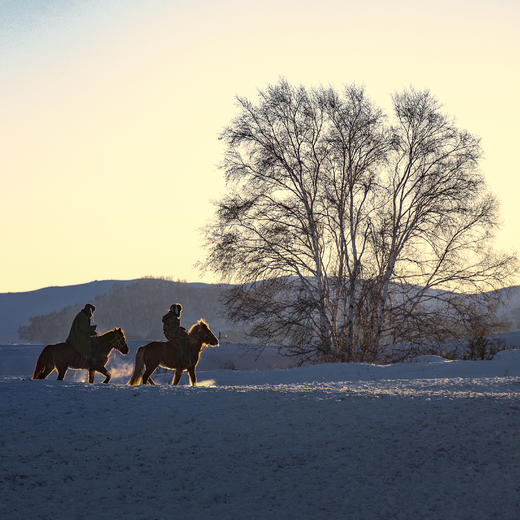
[(174, 332), (172, 326), (80, 334)]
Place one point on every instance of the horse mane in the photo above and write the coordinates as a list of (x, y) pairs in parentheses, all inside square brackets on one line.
[(200, 322), (112, 331)]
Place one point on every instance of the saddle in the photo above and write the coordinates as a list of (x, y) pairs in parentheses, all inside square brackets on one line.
[(182, 341)]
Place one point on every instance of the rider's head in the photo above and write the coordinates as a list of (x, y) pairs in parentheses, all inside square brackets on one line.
[(176, 308), (89, 309)]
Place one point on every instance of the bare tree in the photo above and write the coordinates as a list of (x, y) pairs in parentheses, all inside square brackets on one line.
[(435, 220), (341, 229), (359, 146)]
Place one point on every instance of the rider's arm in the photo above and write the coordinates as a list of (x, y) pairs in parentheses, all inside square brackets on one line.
[(85, 329)]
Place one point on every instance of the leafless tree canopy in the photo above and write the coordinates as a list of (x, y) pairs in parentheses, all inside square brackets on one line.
[(349, 231)]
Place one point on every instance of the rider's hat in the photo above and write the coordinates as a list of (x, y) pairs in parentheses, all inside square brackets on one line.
[(176, 308), (89, 307)]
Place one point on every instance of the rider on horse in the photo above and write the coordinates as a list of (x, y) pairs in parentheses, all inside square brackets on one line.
[(82, 333), (175, 333)]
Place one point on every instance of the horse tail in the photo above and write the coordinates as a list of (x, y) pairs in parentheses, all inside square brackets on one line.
[(138, 367), (44, 362)]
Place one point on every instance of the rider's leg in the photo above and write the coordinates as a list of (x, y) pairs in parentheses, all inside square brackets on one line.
[(93, 350), (187, 352)]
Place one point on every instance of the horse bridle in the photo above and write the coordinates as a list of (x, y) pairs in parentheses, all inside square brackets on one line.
[(119, 341)]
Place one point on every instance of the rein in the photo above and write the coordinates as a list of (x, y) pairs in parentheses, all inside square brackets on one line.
[(118, 343)]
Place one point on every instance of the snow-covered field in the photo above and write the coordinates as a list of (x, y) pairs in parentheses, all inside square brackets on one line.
[(424, 440)]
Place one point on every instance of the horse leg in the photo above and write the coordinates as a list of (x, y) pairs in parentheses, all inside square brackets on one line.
[(148, 372), (151, 381), (193, 377), (101, 370), (106, 373), (177, 376), (61, 372), (45, 372)]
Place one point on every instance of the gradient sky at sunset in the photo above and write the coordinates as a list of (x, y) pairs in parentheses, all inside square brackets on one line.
[(111, 111)]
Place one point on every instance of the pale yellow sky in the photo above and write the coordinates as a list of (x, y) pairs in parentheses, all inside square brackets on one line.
[(111, 111)]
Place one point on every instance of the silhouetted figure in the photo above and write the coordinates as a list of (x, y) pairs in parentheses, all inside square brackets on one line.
[(175, 333), (168, 355), (63, 356), (82, 333)]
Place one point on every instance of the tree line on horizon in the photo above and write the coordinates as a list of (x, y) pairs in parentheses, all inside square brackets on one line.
[(141, 320), (137, 308)]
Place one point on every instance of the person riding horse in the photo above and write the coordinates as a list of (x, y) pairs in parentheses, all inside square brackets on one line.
[(82, 333), (174, 332)]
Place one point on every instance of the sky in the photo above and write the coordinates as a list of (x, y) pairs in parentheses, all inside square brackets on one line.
[(111, 112)]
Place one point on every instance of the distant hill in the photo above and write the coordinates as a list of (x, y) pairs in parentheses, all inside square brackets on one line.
[(17, 307), (138, 306), (44, 316)]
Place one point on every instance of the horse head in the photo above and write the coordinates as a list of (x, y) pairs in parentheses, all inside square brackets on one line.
[(120, 341), (203, 333)]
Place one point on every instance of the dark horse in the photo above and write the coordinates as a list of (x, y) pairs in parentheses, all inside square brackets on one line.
[(62, 356), (169, 355)]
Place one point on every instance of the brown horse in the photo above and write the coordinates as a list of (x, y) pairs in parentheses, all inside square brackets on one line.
[(169, 355), (62, 356)]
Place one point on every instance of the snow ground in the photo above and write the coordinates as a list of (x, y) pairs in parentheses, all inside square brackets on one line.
[(425, 440)]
